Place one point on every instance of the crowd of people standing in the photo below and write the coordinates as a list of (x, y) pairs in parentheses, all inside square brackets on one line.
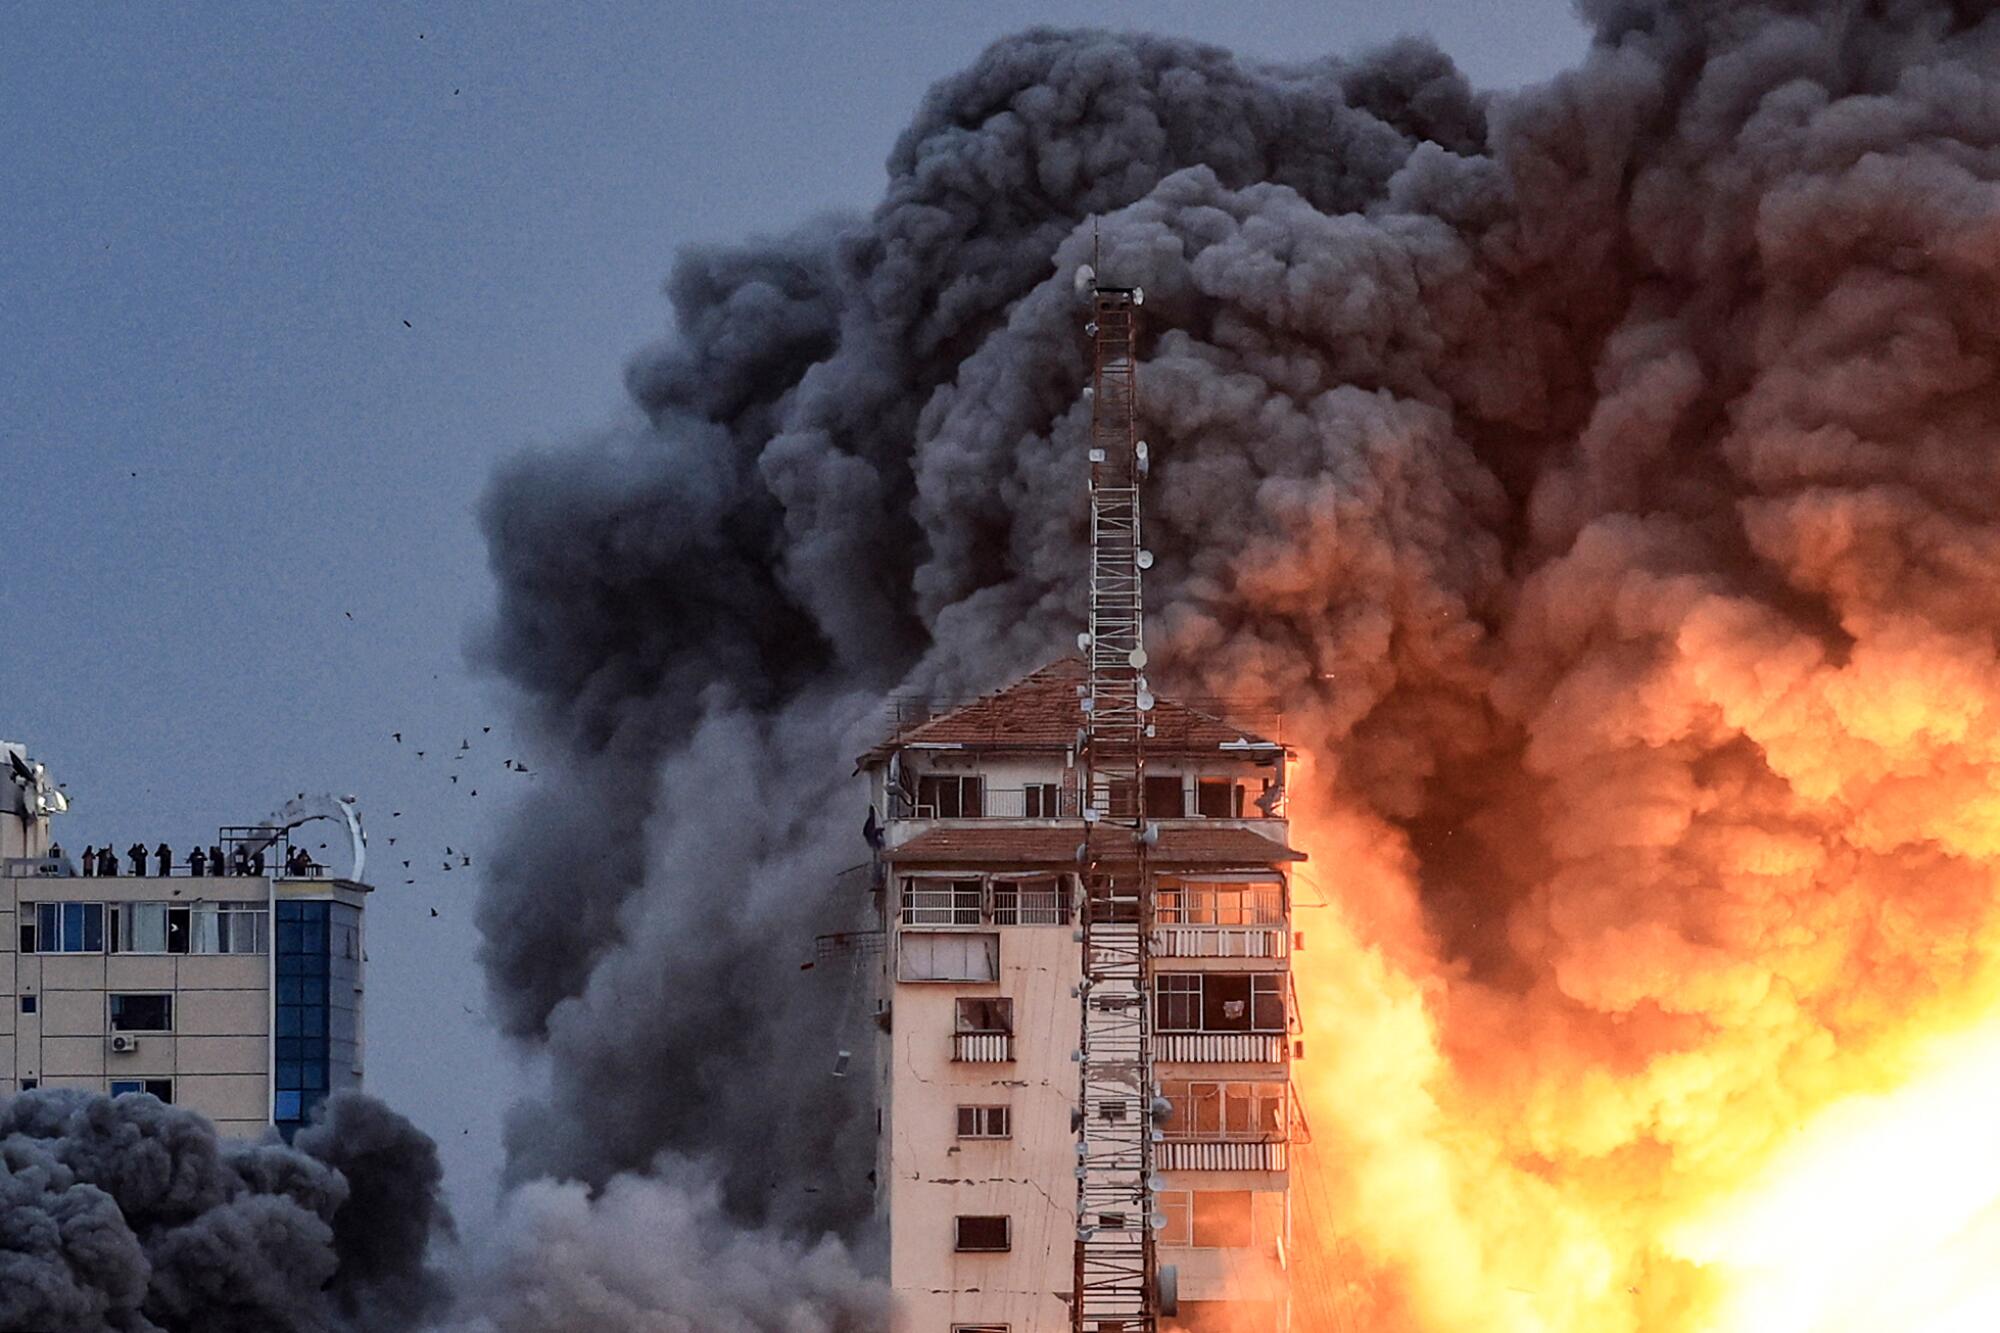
[(103, 862)]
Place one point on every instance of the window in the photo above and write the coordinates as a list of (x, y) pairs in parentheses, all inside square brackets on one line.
[(28, 1003), (1221, 904), (1207, 1219), (1218, 798), (948, 956), (951, 796), (1248, 1112), (1163, 797), (228, 928), (1221, 1219), (982, 1235), (1219, 1002), (148, 928), (142, 1013), (1041, 800), (163, 1088), (980, 1328), (985, 1122), (30, 1084), (1030, 902), (940, 902), (69, 927), (985, 1013)]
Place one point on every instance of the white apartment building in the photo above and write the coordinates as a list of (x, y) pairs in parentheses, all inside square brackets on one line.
[(980, 886), (238, 995)]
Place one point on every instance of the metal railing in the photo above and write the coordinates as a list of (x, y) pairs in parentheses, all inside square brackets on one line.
[(1249, 1048), (982, 1047), (1196, 1155), (1222, 941)]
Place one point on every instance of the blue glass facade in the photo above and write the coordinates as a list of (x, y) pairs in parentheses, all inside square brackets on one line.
[(318, 975)]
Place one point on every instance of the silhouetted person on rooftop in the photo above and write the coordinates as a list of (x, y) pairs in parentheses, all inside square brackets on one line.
[(165, 856), (107, 863), (89, 860), (239, 861), (257, 862), (197, 863), (137, 851), (214, 859)]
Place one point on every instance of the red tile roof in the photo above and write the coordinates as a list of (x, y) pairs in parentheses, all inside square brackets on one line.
[(1042, 711), (972, 842)]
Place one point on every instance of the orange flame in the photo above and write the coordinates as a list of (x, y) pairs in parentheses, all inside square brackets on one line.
[(1498, 1157)]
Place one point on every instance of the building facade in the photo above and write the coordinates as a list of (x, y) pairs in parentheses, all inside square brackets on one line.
[(237, 995), (982, 871)]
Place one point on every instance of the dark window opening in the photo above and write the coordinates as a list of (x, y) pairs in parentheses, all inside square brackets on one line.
[(1041, 800), (983, 1235), (162, 1088), (1219, 798), (28, 1004), (1219, 1002), (1163, 798), (142, 1013), (951, 796), (985, 1013)]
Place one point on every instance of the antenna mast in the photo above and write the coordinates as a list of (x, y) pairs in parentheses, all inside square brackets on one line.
[(1116, 1264)]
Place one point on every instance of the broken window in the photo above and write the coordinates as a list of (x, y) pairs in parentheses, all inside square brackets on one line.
[(948, 956), (142, 1013), (983, 1234), (940, 902), (985, 1013), (1218, 798), (1219, 1002), (950, 796), (985, 1122)]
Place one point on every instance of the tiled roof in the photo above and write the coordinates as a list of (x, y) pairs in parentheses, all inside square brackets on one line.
[(1042, 711), (973, 842)]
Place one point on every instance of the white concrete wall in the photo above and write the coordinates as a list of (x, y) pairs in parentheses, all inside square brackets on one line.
[(932, 1177)]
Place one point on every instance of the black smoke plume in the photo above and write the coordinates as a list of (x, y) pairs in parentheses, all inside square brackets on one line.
[(1575, 464), (127, 1215)]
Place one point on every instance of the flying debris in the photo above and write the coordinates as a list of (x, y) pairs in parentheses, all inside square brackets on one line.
[(420, 754), (454, 779), (434, 911), (407, 324), (398, 735), (486, 729)]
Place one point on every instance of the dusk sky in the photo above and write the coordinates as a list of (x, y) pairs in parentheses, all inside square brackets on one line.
[(281, 287)]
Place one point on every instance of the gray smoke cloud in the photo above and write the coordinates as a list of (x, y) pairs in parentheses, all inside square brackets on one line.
[(133, 1216), (1564, 461)]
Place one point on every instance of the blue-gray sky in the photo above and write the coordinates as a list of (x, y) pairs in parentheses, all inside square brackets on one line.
[(241, 489)]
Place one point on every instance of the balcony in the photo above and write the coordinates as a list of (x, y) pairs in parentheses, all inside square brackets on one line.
[(982, 1048), (1184, 1155), (1222, 942), (1223, 1048)]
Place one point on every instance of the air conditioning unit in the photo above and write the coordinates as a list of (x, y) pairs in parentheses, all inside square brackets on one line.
[(124, 1043)]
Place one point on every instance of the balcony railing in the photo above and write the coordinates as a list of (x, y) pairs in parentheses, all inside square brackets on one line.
[(1182, 1155), (982, 1048), (1222, 942), (1244, 1048)]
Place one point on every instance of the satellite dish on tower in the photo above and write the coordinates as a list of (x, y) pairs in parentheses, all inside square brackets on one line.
[(1086, 279)]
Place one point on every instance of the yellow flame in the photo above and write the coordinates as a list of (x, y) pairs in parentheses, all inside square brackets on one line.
[(1884, 1214)]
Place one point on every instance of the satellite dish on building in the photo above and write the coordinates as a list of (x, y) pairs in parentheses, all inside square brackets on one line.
[(1086, 280), (338, 809)]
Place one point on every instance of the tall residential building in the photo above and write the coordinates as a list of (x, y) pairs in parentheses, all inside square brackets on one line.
[(238, 995), (982, 874)]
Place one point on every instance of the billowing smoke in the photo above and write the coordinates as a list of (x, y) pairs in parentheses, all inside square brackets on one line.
[(1601, 475), (127, 1215)]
